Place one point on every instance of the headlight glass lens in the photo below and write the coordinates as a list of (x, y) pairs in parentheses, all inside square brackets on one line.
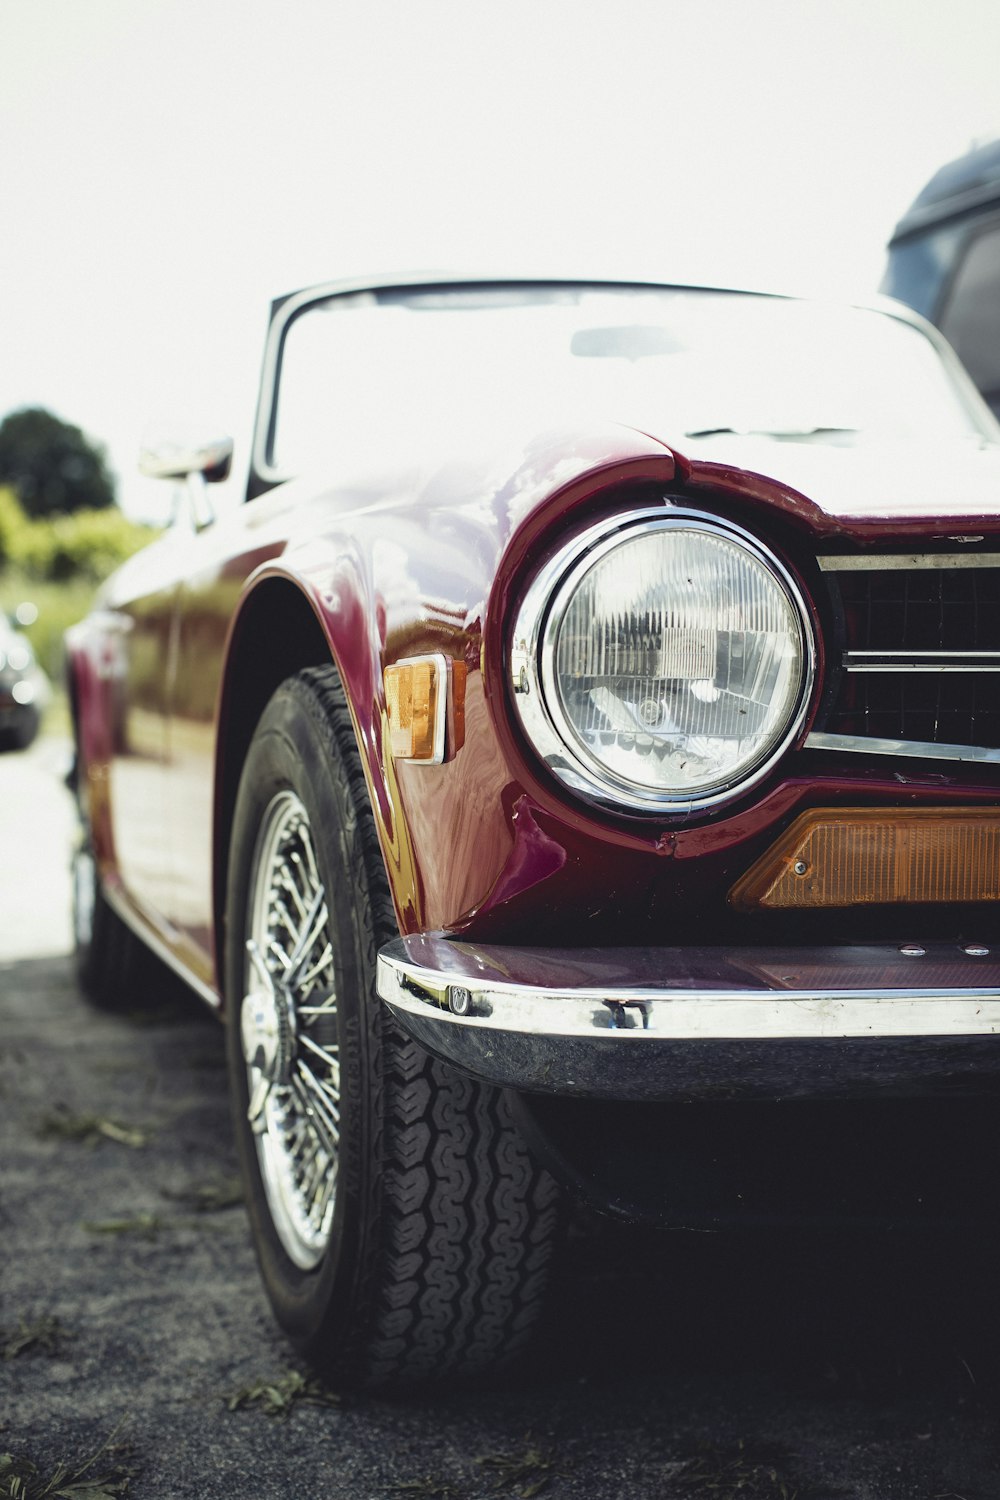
[(674, 661)]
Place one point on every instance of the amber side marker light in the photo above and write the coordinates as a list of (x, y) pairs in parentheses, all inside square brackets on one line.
[(425, 702), (859, 856)]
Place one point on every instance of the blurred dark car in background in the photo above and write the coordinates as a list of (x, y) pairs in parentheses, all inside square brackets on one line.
[(24, 688), (944, 261)]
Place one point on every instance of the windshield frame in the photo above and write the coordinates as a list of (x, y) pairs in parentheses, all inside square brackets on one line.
[(265, 474)]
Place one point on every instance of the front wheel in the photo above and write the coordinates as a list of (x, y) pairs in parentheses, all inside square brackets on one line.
[(402, 1229)]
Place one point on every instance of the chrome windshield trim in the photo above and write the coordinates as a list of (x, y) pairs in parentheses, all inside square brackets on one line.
[(639, 996), (859, 744), (285, 309), (883, 562)]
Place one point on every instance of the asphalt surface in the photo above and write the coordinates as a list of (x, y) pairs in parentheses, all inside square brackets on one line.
[(800, 1362)]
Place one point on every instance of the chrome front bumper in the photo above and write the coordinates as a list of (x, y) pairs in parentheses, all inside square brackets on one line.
[(670, 1023)]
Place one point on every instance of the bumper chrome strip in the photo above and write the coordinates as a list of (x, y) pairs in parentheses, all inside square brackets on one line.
[(649, 1023), (460, 985)]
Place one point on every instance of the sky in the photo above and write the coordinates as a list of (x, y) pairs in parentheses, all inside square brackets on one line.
[(167, 167)]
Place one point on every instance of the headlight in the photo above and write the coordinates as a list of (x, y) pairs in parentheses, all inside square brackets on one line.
[(663, 664)]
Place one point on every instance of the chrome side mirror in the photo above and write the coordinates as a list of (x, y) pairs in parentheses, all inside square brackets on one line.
[(192, 461), (163, 457)]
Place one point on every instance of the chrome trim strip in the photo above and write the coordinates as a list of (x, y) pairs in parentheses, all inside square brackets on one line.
[(921, 661), (916, 749), (651, 995), (148, 935), (910, 562)]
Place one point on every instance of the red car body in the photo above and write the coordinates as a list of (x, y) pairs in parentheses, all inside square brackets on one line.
[(506, 882), (538, 857)]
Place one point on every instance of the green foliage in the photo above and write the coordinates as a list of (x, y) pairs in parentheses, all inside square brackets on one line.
[(210, 1197), (59, 605), (60, 1125), (22, 1479), (277, 1398), (51, 466), (45, 1335), (13, 522), (527, 1474), (88, 544), (430, 1486), (748, 1471), (56, 564), (147, 1226)]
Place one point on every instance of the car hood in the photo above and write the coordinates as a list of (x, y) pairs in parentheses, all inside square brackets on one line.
[(870, 480)]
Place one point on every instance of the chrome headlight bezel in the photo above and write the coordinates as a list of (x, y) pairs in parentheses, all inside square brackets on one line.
[(532, 665)]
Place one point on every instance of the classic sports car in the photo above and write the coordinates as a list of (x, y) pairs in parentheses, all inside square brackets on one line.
[(594, 708)]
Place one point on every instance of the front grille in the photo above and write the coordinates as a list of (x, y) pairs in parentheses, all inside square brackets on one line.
[(916, 651), (920, 609), (934, 708)]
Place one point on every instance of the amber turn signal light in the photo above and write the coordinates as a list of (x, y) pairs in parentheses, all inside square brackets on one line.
[(859, 856), (413, 700), (425, 706)]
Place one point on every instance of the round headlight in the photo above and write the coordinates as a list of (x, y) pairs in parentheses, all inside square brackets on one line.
[(663, 665)]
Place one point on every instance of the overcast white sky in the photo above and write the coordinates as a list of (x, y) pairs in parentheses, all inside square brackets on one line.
[(167, 166)]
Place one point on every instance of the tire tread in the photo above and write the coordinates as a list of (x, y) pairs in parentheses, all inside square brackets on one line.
[(465, 1223)]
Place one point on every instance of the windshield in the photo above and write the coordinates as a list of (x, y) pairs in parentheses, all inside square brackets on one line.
[(375, 375)]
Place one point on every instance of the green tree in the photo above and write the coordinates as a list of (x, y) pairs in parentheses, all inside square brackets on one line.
[(51, 466)]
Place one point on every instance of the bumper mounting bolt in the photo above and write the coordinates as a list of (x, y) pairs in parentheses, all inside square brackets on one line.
[(459, 1000)]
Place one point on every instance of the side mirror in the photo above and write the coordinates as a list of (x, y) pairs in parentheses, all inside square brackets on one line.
[(162, 457)]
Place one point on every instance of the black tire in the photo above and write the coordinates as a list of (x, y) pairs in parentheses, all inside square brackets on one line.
[(115, 970), (23, 733), (433, 1255)]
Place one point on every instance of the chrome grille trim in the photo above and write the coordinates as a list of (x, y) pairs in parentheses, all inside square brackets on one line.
[(915, 655), (914, 749), (921, 661), (911, 562)]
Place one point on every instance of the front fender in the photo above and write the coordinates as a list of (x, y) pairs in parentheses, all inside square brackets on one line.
[(413, 569)]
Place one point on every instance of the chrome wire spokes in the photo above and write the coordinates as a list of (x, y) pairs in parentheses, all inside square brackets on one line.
[(289, 1032)]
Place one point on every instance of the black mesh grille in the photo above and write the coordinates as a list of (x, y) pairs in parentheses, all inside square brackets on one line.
[(917, 610), (921, 609)]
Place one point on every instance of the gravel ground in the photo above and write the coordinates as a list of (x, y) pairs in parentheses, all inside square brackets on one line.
[(793, 1364)]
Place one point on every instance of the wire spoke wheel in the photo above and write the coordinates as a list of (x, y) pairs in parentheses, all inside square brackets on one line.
[(403, 1231), (288, 1024)]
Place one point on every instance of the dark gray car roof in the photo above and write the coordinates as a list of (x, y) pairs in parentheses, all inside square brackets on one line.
[(956, 188)]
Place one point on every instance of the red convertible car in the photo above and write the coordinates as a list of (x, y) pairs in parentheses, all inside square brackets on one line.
[(592, 711)]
